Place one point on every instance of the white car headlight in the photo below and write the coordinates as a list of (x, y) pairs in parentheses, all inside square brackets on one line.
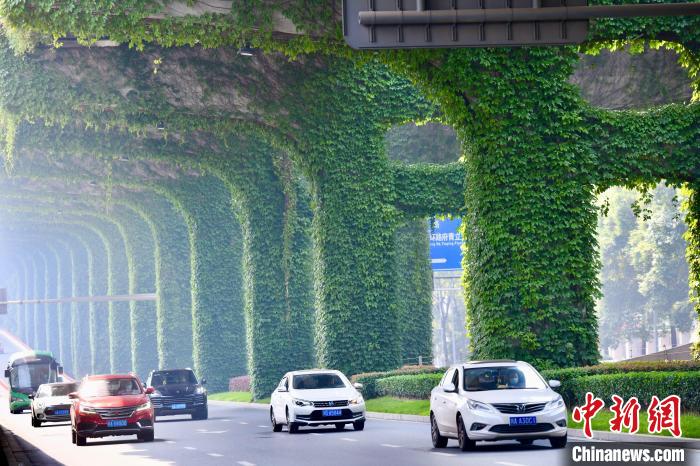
[(479, 406), (299, 402), (40, 404), (357, 401), (200, 390), (558, 403), (143, 407)]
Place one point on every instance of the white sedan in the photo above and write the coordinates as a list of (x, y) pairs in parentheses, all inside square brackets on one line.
[(315, 398), (51, 403)]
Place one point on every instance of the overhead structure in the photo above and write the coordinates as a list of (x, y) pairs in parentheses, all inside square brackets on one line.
[(397, 24)]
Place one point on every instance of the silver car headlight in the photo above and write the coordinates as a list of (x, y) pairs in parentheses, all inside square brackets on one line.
[(299, 402), (200, 390), (557, 403), (479, 406), (357, 401), (144, 407)]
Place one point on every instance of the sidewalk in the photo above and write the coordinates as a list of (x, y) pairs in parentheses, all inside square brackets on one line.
[(17, 452)]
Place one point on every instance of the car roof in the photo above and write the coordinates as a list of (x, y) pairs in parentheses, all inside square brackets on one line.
[(491, 363), (314, 371), (110, 376), (58, 384)]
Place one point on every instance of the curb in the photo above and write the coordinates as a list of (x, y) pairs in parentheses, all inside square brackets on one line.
[(15, 455)]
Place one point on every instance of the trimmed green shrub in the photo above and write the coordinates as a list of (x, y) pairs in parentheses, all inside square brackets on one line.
[(643, 385), (417, 386), (369, 379)]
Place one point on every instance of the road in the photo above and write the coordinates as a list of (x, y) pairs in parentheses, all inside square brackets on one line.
[(238, 434)]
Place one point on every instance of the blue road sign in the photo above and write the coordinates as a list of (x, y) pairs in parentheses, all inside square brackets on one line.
[(446, 245)]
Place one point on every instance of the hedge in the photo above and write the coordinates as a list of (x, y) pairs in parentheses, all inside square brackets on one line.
[(417, 386), (369, 379), (643, 385)]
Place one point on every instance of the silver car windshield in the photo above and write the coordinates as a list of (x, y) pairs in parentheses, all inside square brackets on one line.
[(481, 379)]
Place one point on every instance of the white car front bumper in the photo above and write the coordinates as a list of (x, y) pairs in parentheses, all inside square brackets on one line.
[(48, 413), (483, 425), (312, 416)]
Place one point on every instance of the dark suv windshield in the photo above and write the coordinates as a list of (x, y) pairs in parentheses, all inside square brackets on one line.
[(501, 378), (317, 381), (173, 378)]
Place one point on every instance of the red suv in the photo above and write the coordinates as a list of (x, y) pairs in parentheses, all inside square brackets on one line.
[(109, 405)]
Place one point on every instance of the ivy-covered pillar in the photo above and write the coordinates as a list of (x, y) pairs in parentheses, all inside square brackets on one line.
[(81, 259), (414, 290), (172, 273), (139, 246), (39, 292), (530, 266), (693, 249), (218, 326), (51, 281), (276, 262), (62, 247)]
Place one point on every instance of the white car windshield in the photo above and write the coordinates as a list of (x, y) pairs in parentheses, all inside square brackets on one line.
[(56, 390), (317, 381), (502, 378)]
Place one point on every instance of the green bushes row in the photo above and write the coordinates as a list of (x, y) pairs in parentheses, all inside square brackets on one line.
[(643, 385), (564, 375), (408, 386), (369, 379)]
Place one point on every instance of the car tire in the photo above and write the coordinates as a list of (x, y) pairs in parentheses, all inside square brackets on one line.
[(275, 427), (558, 442), (72, 436), (340, 426), (359, 425), (146, 436), (80, 440), (201, 414), (292, 427), (35, 422), (439, 441), (525, 441), (465, 444)]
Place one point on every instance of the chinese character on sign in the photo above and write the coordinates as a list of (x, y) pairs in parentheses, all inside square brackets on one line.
[(587, 412), (626, 414), (665, 415)]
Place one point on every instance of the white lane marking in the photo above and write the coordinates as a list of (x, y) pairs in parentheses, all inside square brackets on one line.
[(243, 423), (348, 439), (442, 454), (225, 420), (204, 431), (316, 433), (263, 426), (169, 441), (190, 448), (245, 463), (215, 455), (389, 445), (508, 463)]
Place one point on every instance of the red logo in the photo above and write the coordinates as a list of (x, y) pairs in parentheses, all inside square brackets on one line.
[(587, 412)]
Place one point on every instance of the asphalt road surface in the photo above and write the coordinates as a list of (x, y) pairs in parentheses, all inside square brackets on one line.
[(241, 435)]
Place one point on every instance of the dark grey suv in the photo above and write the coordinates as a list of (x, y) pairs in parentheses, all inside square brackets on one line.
[(177, 391)]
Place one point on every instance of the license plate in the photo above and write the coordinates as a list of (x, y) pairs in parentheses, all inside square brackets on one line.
[(523, 421), (332, 412), (178, 406), (117, 423), (61, 412)]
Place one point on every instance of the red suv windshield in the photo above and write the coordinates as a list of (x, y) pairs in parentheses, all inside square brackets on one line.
[(110, 387)]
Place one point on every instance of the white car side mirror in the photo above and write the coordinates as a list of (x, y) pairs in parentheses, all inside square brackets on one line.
[(554, 384), (449, 387), (358, 386)]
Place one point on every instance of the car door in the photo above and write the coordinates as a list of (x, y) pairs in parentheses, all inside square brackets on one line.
[(439, 401), (278, 401), (451, 403)]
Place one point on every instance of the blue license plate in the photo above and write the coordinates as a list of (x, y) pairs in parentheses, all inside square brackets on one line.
[(178, 406), (331, 412), (61, 412), (523, 421), (117, 423)]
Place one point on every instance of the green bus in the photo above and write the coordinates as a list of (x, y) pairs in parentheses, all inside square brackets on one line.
[(27, 370)]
